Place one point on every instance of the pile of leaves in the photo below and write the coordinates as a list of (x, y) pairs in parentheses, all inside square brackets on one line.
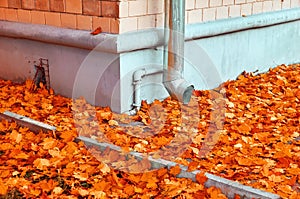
[(50, 165), (245, 130)]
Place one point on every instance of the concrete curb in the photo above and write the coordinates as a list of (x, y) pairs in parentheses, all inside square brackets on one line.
[(228, 187), (33, 125)]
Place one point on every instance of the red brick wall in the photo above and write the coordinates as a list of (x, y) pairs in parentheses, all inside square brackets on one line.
[(76, 14)]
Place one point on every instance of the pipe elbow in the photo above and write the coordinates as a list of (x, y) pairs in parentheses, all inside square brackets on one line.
[(139, 74), (180, 89)]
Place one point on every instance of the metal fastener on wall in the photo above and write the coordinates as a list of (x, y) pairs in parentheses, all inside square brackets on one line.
[(42, 74)]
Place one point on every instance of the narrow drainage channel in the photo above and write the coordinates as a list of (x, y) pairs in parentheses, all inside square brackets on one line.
[(228, 187)]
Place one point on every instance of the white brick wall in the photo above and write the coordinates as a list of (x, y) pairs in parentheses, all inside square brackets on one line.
[(123, 9), (222, 12), (209, 14), (267, 6), (155, 6), (276, 5), (150, 13), (137, 7), (286, 4), (159, 20), (235, 11), (189, 4), (147, 21), (246, 9), (257, 7), (202, 4), (215, 3), (295, 3), (228, 2), (194, 16), (128, 24), (240, 1)]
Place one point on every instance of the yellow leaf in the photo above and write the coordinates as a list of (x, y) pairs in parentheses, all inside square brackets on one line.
[(275, 178), (22, 155), (81, 176), (49, 143), (3, 188), (15, 173), (35, 192), (285, 188), (230, 115), (83, 192), (17, 137), (151, 185), (58, 190), (40, 163), (98, 194), (113, 123), (238, 145), (4, 173), (244, 161), (105, 169), (54, 152), (265, 171)]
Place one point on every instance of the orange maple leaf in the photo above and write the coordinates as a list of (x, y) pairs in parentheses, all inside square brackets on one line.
[(3, 188), (201, 178), (97, 31), (175, 170)]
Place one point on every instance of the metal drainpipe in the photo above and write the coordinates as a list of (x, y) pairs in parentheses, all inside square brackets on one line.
[(173, 59), (173, 79)]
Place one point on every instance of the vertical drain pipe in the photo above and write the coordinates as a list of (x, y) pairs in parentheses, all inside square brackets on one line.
[(173, 79)]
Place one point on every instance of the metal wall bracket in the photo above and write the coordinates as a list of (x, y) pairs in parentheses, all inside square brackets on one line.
[(42, 73)]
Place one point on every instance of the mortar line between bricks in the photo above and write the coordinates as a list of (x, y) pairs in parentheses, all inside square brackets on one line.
[(228, 187)]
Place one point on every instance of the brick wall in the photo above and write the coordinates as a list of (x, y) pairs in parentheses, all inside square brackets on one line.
[(141, 14), (75, 14), (118, 16)]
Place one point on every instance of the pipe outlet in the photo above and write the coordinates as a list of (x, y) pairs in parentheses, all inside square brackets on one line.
[(180, 89)]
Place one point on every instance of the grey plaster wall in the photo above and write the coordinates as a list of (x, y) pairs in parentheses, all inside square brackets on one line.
[(74, 72), (223, 57)]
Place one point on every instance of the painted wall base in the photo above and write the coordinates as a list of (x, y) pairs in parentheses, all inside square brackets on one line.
[(101, 68)]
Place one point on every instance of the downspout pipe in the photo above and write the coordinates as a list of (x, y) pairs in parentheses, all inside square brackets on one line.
[(173, 80)]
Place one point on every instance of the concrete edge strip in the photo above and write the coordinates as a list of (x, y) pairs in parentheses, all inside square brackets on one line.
[(143, 39), (33, 125), (228, 187), (61, 36), (209, 29)]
